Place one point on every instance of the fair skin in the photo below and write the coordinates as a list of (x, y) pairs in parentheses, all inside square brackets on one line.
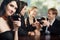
[(23, 13), (51, 16), (23, 10), (32, 15), (17, 24), (10, 9)]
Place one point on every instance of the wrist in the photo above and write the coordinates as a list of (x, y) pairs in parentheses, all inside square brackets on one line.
[(15, 29)]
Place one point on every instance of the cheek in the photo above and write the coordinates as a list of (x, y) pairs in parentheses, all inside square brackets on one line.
[(22, 11), (7, 10), (49, 16), (53, 16), (31, 12), (35, 14)]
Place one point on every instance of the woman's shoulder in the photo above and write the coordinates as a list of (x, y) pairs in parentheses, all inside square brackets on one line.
[(1, 19)]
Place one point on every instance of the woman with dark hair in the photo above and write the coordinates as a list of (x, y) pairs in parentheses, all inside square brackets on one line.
[(21, 12), (8, 8)]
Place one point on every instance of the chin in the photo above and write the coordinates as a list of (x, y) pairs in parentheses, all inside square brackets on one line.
[(9, 14)]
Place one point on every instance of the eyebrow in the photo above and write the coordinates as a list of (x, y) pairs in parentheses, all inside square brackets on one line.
[(13, 5)]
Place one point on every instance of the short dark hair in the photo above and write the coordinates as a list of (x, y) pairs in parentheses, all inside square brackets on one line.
[(4, 4), (54, 11), (21, 6)]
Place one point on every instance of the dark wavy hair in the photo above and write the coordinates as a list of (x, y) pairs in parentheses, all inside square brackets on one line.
[(21, 6), (2, 11), (4, 4)]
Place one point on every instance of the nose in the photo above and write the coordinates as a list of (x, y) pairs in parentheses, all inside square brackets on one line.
[(35, 14)]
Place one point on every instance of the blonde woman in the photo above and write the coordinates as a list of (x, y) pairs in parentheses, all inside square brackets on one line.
[(31, 22)]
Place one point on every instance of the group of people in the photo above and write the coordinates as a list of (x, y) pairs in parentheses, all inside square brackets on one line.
[(10, 29), (51, 24)]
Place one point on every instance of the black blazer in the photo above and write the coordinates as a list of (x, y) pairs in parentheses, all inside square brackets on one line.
[(54, 29)]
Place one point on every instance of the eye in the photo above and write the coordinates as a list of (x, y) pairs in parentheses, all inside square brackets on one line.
[(11, 5), (35, 11), (15, 7), (48, 12)]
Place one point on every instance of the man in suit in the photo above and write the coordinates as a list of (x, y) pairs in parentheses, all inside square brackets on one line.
[(52, 25)]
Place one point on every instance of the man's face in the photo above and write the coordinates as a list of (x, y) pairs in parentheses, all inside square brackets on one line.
[(51, 16)]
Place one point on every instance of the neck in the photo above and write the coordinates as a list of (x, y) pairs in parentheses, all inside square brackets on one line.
[(52, 19), (5, 17), (31, 17)]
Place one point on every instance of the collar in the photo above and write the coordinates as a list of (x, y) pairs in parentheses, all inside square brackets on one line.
[(51, 23)]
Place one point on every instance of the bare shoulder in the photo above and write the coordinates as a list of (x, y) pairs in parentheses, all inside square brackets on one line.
[(1, 19), (2, 22)]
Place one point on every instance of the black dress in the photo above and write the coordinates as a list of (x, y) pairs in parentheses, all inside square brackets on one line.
[(8, 35), (29, 26)]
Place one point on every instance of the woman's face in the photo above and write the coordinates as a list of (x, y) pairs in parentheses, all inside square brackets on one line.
[(33, 12), (23, 10), (10, 9)]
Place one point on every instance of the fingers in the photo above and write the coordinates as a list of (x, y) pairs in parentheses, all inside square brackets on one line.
[(19, 19), (46, 23), (31, 33), (17, 23)]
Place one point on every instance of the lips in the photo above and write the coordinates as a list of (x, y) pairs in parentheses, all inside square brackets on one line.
[(11, 12)]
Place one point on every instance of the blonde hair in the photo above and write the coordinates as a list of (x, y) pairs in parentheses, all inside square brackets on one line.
[(32, 8)]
